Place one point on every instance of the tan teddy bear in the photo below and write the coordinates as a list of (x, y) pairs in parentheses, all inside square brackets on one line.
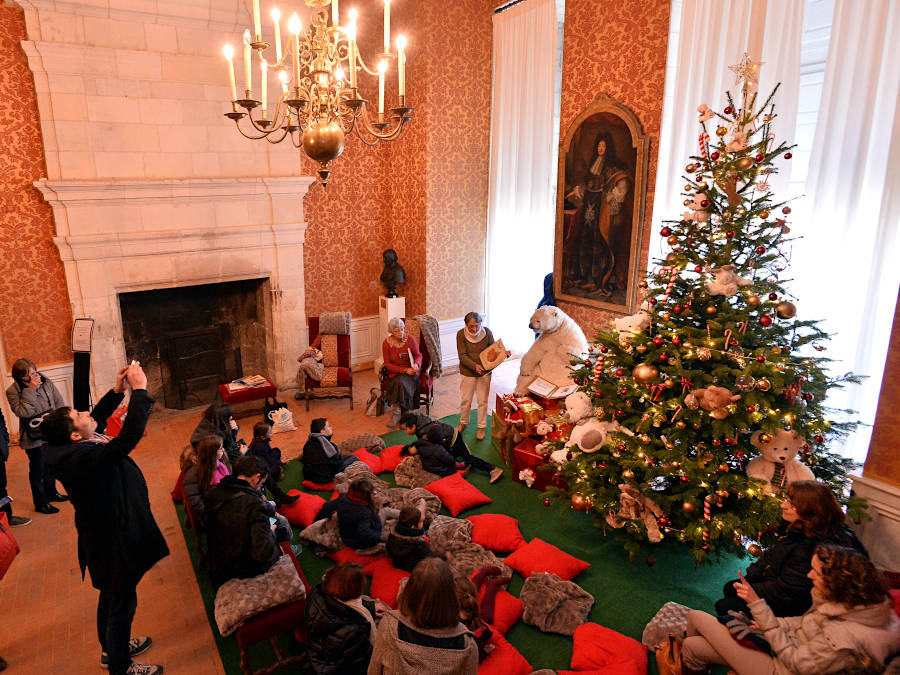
[(778, 464), (714, 399)]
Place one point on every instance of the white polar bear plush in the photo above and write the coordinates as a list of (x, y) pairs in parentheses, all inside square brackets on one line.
[(726, 282), (589, 433), (635, 323), (778, 464), (560, 340)]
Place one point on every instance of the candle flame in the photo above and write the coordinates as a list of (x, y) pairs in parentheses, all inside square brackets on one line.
[(228, 52), (401, 42), (353, 14), (382, 66), (283, 76), (276, 14), (247, 39), (294, 24), (339, 74)]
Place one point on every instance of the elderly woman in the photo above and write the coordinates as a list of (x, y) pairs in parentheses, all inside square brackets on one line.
[(402, 361), (471, 341), (31, 396)]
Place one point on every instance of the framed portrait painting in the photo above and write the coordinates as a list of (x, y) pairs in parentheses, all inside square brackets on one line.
[(600, 207)]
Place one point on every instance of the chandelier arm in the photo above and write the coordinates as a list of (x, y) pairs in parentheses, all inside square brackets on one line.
[(365, 141), (280, 138), (247, 135)]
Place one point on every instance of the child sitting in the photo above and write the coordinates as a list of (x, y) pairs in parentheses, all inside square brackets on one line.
[(406, 544), (476, 615), (432, 453), (261, 447)]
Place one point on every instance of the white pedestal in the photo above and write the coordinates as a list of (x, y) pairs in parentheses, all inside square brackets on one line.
[(388, 308), (881, 535)]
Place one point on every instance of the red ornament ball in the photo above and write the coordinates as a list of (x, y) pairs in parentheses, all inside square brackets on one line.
[(730, 441), (623, 392), (819, 438), (603, 350), (577, 380), (751, 408), (730, 234), (786, 349), (761, 358), (786, 210), (546, 501), (620, 413), (663, 357), (677, 309), (652, 301), (665, 232), (619, 372), (788, 155), (760, 250), (765, 320), (698, 269), (716, 442), (773, 296), (714, 156), (676, 340), (587, 363), (808, 396), (704, 203), (728, 110), (621, 447), (760, 157), (658, 341)]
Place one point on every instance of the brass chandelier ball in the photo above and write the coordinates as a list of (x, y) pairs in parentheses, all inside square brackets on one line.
[(323, 141)]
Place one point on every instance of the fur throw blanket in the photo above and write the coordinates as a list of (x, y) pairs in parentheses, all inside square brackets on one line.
[(311, 367), (370, 442), (355, 472), (399, 497), (431, 335), (240, 599), (554, 605), (409, 473), (464, 559), (325, 534), (446, 534)]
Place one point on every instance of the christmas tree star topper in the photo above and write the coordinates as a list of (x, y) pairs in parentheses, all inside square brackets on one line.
[(747, 70)]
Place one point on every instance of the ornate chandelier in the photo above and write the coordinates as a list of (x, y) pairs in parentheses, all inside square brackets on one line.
[(319, 102)]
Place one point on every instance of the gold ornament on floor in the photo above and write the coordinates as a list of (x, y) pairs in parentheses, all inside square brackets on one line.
[(645, 373), (786, 310)]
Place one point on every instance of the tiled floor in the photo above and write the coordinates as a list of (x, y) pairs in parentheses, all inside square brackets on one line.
[(49, 624)]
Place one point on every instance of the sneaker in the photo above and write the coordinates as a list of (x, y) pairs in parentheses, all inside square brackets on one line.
[(296, 548), (479, 436), (144, 669), (496, 472), (18, 521), (460, 427), (137, 645)]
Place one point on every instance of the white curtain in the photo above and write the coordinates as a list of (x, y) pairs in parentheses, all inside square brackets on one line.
[(846, 266), (523, 169), (713, 35)]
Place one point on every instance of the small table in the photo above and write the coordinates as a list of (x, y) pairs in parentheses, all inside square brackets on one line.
[(233, 396)]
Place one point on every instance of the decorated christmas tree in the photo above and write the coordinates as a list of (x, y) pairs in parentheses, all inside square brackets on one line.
[(716, 384)]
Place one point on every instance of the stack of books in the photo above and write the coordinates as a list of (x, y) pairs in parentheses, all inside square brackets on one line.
[(247, 381)]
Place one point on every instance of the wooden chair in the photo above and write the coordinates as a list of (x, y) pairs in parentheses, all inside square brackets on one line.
[(426, 379), (193, 522), (337, 377), (268, 625)]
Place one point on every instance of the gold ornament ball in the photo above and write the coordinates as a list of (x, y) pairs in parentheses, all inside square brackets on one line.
[(641, 349), (688, 202), (755, 550), (644, 438), (745, 162), (323, 141), (688, 188), (628, 473), (740, 211), (681, 424), (702, 186), (765, 439), (721, 131), (753, 300), (668, 384), (688, 507), (786, 310), (671, 241), (704, 354), (665, 316), (763, 214), (642, 284), (645, 373), (776, 349), (690, 168), (579, 503), (710, 309), (763, 384)]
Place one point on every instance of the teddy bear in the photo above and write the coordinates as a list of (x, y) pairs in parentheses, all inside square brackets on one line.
[(589, 433), (738, 140), (635, 323), (713, 399), (560, 340), (778, 464), (634, 505), (726, 282), (700, 213)]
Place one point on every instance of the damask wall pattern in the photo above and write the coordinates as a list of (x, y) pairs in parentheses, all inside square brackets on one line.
[(35, 314), (617, 47), (881, 462)]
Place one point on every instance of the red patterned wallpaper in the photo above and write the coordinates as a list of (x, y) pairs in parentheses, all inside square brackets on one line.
[(35, 315), (617, 47), (881, 462)]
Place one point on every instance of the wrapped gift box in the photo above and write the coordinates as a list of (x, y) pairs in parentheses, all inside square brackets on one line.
[(524, 457)]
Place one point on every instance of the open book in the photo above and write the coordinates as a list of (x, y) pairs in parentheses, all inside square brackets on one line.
[(547, 389), (493, 356), (250, 381)]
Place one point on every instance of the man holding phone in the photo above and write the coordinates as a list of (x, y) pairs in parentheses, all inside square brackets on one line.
[(118, 539)]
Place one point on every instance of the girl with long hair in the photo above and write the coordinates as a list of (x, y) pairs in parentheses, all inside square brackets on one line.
[(205, 469)]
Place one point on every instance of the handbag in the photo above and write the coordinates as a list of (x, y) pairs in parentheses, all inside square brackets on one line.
[(281, 420), (9, 547), (375, 404), (668, 656), (269, 407)]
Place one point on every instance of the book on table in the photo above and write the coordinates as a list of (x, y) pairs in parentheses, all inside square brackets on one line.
[(247, 381), (547, 389)]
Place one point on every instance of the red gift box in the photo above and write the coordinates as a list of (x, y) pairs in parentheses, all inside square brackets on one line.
[(524, 457)]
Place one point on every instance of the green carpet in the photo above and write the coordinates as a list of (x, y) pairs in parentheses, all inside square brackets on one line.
[(626, 595)]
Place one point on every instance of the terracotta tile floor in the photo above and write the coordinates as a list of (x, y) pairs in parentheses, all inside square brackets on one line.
[(49, 614)]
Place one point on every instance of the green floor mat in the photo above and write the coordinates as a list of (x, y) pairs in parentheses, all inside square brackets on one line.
[(626, 595)]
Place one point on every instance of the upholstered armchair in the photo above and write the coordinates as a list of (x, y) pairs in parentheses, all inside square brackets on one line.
[(330, 333)]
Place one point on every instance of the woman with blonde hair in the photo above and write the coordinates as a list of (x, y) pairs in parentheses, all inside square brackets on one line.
[(425, 634), (850, 628)]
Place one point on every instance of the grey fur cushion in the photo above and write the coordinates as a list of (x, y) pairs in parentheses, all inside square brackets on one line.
[(554, 605), (238, 600), (464, 559), (446, 533), (409, 473), (370, 442), (325, 533)]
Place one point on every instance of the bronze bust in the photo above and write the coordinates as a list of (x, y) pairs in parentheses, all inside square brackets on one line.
[(392, 274)]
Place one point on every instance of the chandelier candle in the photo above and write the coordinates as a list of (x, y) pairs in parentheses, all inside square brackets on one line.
[(264, 77), (387, 26), (228, 52), (257, 24), (294, 28), (351, 36), (401, 66), (382, 67), (276, 17), (334, 13), (248, 82)]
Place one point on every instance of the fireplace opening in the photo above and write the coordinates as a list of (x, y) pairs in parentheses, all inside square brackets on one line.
[(190, 339)]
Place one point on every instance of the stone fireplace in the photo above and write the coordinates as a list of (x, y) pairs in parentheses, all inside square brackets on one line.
[(118, 238)]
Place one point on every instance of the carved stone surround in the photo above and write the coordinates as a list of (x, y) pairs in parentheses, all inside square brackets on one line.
[(120, 236)]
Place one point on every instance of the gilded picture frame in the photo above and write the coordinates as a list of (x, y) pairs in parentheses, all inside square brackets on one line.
[(600, 207)]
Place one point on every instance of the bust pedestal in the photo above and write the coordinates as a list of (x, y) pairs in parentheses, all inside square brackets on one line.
[(388, 308)]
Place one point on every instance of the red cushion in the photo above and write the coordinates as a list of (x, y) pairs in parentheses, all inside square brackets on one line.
[(347, 554), (595, 646), (318, 487), (343, 379), (457, 494), (178, 490), (539, 556), (302, 512), (507, 610), (390, 457), (370, 460), (624, 668), (895, 592), (386, 581), (497, 532), (504, 659)]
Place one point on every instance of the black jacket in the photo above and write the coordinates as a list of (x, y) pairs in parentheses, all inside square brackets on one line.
[(435, 458), (360, 528), (263, 449), (407, 547), (779, 576), (317, 466), (118, 539), (4, 439), (240, 539), (451, 439), (338, 635), (229, 439)]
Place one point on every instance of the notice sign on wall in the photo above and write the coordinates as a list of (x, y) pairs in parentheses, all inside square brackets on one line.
[(82, 330)]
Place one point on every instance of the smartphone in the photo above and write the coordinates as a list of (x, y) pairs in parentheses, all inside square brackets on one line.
[(5, 501), (272, 520)]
